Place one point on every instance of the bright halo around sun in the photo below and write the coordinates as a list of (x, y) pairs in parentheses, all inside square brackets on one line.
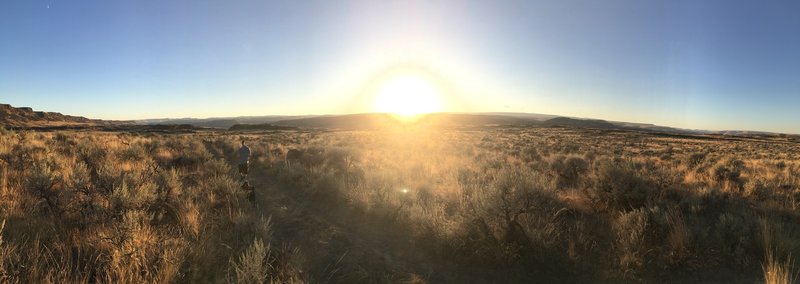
[(408, 96)]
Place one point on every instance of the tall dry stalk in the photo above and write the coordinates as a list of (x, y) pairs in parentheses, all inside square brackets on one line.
[(3, 178), (777, 272)]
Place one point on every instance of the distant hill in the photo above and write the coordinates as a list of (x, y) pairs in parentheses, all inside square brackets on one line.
[(210, 123), (657, 128), (262, 126), (478, 119), (348, 121), (25, 117), (523, 115), (380, 120), (219, 122), (582, 123)]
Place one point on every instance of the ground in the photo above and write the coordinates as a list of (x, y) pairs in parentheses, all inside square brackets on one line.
[(472, 205)]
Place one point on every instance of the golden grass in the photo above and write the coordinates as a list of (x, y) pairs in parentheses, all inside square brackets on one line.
[(413, 205), (777, 272)]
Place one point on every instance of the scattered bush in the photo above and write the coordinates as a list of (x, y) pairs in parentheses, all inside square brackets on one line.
[(449, 206), (630, 228), (569, 170), (618, 187), (695, 159)]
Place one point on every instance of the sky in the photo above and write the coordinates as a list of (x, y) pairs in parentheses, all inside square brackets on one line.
[(709, 64)]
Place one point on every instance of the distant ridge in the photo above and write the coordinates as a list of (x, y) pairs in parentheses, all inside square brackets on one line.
[(582, 123), (262, 126), (376, 121), (209, 123), (382, 120), (26, 117), (477, 119), (221, 122), (347, 121)]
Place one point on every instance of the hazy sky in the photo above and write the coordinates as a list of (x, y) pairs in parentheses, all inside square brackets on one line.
[(695, 64)]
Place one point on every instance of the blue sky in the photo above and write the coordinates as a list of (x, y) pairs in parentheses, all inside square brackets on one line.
[(694, 64)]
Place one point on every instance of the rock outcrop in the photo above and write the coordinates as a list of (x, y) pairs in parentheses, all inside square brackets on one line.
[(26, 117)]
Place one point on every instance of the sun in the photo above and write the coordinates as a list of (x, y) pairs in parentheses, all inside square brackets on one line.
[(408, 95)]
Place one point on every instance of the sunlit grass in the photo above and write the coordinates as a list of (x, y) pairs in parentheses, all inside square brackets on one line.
[(474, 205)]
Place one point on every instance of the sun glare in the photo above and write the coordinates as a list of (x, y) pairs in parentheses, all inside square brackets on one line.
[(408, 95)]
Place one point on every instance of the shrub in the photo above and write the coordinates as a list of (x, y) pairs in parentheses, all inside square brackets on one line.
[(734, 237), (127, 196), (569, 170), (192, 155), (530, 154), (679, 238), (135, 152), (756, 189), (253, 264), (42, 182), (695, 159), (618, 187), (167, 208), (729, 173), (512, 197), (261, 263), (629, 230)]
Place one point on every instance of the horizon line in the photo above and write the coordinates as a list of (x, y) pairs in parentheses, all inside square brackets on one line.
[(443, 112)]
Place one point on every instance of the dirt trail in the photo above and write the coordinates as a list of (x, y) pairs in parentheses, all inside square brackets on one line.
[(337, 247)]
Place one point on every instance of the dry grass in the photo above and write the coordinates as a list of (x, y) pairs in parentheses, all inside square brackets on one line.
[(776, 272), (409, 205), (119, 208)]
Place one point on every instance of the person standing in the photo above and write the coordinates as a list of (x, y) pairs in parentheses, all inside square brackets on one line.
[(244, 169), (244, 160)]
